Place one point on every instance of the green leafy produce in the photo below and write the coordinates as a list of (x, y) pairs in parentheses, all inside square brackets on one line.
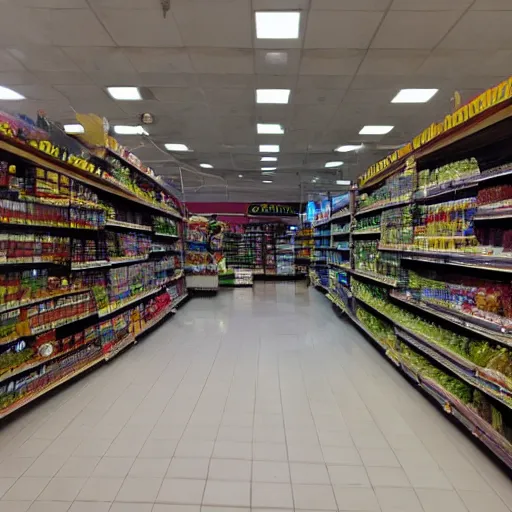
[(12, 359), (382, 330)]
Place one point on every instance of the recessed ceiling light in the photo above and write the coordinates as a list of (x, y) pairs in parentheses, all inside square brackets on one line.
[(269, 159), (375, 130), (330, 165), (347, 148), (277, 25), (342, 182), (176, 147), (74, 128), (9, 94), (268, 168), (280, 96), (124, 93), (205, 166), (270, 129), (240, 175), (129, 130), (269, 148), (414, 95), (267, 181)]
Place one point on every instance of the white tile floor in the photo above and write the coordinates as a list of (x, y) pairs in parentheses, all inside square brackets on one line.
[(256, 398)]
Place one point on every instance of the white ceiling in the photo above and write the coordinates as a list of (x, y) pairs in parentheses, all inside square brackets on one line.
[(201, 65)]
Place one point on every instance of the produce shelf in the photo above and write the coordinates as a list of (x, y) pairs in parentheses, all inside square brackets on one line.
[(456, 364), (345, 266), (127, 225), (377, 208), (347, 233), (389, 281), (90, 264), (167, 235), (477, 325), (364, 232), (493, 214), (340, 216)]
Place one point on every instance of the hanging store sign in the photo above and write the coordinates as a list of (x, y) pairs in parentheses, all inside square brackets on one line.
[(272, 210), (488, 99)]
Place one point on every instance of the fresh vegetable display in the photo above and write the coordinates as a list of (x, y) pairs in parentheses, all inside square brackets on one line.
[(453, 171)]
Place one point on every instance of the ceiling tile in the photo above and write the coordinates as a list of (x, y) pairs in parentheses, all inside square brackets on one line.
[(492, 5), (93, 59), (431, 5), (341, 29), (232, 80), (222, 60), (19, 25), (350, 5), (43, 58), (317, 97), (140, 27), (458, 63), (178, 94), (230, 95), (89, 92), (207, 24), (17, 77), (62, 24), (54, 4), (481, 29), (275, 82), (160, 60), (167, 80), (225, 109), (40, 93), (127, 4), (62, 77), (410, 29), (107, 78), (277, 61), (392, 62), (323, 81), (370, 82), (331, 62), (279, 5), (8, 62)]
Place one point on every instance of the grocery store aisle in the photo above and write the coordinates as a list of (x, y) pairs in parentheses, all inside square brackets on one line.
[(257, 398)]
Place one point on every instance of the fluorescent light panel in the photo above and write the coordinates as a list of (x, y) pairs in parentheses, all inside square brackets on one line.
[(206, 166), (342, 182), (347, 148), (176, 147), (269, 159), (270, 129), (10, 95), (267, 181), (129, 130), (124, 93), (268, 168), (74, 128), (275, 96), (269, 148), (330, 165), (375, 130), (414, 95), (277, 25)]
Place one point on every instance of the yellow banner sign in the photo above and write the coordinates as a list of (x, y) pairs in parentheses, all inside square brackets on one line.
[(485, 101)]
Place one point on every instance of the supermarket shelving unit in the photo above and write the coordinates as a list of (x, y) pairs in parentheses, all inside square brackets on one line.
[(85, 272), (430, 263)]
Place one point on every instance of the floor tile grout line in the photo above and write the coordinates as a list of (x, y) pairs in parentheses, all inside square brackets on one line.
[(170, 398), (220, 423)]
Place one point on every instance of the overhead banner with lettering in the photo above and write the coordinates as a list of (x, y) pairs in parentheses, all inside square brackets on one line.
[(273, 210)]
